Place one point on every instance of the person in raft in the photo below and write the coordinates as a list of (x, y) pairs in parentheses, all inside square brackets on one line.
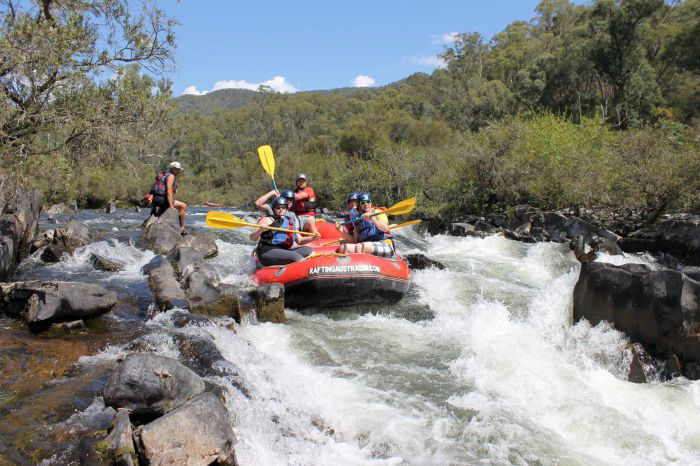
[(278, 247), (304, 204), (372, 234), (163, 191), (348, 228), (262, 203)]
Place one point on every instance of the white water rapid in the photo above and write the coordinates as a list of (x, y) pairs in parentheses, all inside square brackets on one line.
[(480, 364)]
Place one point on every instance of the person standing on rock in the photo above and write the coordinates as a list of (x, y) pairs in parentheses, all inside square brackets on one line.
[(164, 189)]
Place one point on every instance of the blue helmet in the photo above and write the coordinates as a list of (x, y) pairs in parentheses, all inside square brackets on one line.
[(288, 194), (300, 175), (364, 197), (279, 201), (353, 196)]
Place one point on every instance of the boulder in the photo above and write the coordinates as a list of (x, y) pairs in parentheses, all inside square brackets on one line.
[(137, 209), (460, 229), (59, 208), (269, 303), (118, 447), (484, 227), (182, 257), (75, 235), (642, 367), (200, 282), (111, 207), (420, 262), (182, 319), (680, 239), (44, 302), (107, 265), (659, 309), (161, 234), (200, 241), (200, 354), (72, 205), (54, 253), (19, 223), (197, 433), (165, 287), (151, 385)]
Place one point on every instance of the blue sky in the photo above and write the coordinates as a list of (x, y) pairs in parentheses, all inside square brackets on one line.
[(310, 44)]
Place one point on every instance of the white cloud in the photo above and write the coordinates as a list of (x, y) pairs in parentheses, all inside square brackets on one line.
[(427, 60), (192, 90), (447, 38), (363, 81), (278, 84)]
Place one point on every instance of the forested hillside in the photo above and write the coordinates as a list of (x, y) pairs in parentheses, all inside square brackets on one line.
[(582, 106)]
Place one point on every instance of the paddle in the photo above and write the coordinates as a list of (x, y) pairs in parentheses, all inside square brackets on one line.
[(268, 162), (399, 208), (404, 224), (224, 220)]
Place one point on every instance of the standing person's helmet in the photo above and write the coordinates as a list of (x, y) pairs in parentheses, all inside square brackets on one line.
[(279, 201), (300, 176), (353, 196), (366, 197), (288, 194)]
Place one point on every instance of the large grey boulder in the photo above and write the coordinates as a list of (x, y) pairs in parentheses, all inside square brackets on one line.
[(161, 234), (269, 303), (19, 222), (165, 287), (200, 241), (659, 309), (151, 385), (198, 433), (117, 448), (678, 238), (44, 302), (420, 262)]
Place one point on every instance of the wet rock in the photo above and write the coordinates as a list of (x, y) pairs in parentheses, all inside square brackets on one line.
[(200, 241), (59, 208), (75, 235), (674, 367), (161, 234), (200, 283), (680, 239), (182, 319), (484, 227), (165, 287), (420, 262), (460, 229), (19, 222), (111, 207), (63, 328), (117, 448), (42, 302), (269, 303), (642, 367), (202, 356), (609, 246), (137, 209), (654, 308), (197, 433), (153, 264), (692, 272), (54, 253), (151, 385), (107, 265), (183, 257)]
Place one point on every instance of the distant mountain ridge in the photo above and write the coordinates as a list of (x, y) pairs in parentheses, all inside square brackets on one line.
[(231, 99)]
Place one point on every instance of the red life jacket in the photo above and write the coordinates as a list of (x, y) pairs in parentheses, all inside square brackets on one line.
[(160, 185), (305, 206)]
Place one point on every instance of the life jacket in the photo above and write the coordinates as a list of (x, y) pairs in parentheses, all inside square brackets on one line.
[(349, 216), (278, 239), (160, 185), (305, 206), (368, 231)]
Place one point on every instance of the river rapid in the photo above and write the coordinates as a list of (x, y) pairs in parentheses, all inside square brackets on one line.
[(479, 364)]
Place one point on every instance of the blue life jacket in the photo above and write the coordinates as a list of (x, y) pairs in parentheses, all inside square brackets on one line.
[(278, 239), (368, 231)]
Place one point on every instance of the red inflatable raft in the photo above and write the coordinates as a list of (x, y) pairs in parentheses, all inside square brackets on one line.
[(327, 279)]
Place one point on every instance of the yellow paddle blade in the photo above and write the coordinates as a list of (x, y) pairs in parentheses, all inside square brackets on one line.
[(267, 160), (224, 220), (402, 207), (406, 224)]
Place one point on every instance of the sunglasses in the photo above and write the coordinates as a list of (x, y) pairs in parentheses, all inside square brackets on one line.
[(280, 207), (365, 202)]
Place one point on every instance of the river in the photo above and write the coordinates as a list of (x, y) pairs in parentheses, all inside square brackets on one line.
[(480, 364)]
